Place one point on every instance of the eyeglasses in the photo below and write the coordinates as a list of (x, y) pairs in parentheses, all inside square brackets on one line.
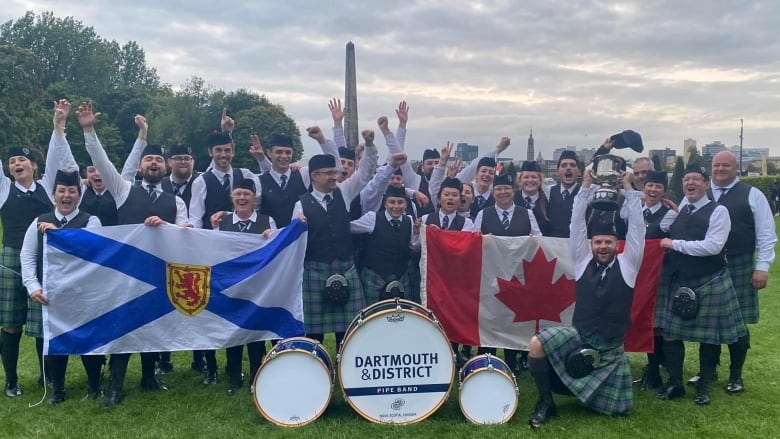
[(330, 173), (182, 159)]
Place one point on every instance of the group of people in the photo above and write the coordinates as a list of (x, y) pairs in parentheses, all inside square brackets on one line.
[(363, 246)]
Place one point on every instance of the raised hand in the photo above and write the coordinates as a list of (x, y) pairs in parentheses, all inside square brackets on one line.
[(368, 136), (403, 114), (421, 198), (256, 149), (316, 133), (445, 152), (503, 144), (143, 127), (336, 112), (383, 124), (454, 168), (61, 111), (86, 117), (397, 159), (227, 123)]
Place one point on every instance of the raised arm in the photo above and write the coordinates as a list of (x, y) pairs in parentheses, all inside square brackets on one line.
[(365, 171), (437, 176), (634, 250), (59, 155), (258, 153), (133, 160), (337, 113), (578, 240), (469, 172), (371, 195), (327, 145)]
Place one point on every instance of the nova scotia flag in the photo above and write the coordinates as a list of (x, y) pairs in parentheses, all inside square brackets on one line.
[(135, 288)]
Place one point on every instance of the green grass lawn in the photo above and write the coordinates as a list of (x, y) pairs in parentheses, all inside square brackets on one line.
[(190, 410)]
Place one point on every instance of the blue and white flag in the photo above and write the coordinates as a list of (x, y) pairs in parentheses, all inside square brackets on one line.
[(135, 288)]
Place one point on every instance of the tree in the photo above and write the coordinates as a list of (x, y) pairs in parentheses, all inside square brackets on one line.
[(693, 155), (266, 119), (675, 185), (20, 96)]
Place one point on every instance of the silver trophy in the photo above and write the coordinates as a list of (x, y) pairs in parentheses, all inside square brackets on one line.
[(606, 173)]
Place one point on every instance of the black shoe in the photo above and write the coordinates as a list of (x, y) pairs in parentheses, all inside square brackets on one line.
[(198, 366), (542, 413), (210, 378), (234, 385), (152, 384), (671, 392), (651, 381), (735, 386), (57, 397), (113, 398), (165, 366), (12, 390), (702, 397), (94, 393), (695, 379)]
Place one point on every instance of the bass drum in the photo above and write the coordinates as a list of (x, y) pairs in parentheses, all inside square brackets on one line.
[(294, 384), (488, 390), (395, 364)]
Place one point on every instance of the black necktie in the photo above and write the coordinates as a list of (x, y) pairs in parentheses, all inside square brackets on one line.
[(284, 182), (396, 224), (243, 226), (647, 213), (152, 192), (226, 182), (528, 203), (177, 187), (445, 222), (723, 191), (691, 208), (565, 195), (327, 199), (29, 193), (602, 271), (63, 222), (480, 201), (505, 220)]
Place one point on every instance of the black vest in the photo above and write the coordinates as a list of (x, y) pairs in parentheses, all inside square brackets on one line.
[(78, 222), (490, 201), (456, 224), (217, 198), (186, 195), (742, 237), (19, 211), (422, 210), (139, 206), (277, 203), (559, 211), (603, 307), (102, 206), (387, 249), (653, 224), (541, 220), (329, 235), (694, 228), (519, 225), (257, 227)]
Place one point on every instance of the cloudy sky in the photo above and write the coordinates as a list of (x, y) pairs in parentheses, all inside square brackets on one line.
[(473, 71)]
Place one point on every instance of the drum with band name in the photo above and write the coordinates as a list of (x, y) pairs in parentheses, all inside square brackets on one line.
[(294, 383), (395, 365), (488, 390)]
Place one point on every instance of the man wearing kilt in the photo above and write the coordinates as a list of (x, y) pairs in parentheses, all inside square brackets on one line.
[(604, 291), (67, 191), (329, 244), (392, 238), (245, 219), (697, 243), (21, 201), (750, 250), (659, 213)]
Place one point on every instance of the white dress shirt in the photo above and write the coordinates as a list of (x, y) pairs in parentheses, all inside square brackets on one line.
[(717, 232), (367, 222), (511, 211)]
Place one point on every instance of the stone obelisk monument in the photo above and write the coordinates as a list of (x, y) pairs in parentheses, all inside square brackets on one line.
[(350, 100)]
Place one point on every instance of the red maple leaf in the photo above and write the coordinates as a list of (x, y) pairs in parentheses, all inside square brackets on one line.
[(539, 298)]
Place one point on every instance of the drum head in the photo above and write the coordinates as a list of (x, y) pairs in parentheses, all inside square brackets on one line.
[(488, 396), (292, 388), (396, 367)]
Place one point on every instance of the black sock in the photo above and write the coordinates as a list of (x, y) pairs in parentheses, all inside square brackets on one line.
[(234, 356), (148, 361), (708, 361), (658, 350), (675, 356), (738, 353), (540, 371), (10, 354), (39, 350)]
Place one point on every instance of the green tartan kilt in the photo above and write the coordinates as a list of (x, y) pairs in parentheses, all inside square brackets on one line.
[(34, 325), (319, 316), (13, 296), (719, 320), (374, 284), (663, 299), (607, 389), (741, 268)]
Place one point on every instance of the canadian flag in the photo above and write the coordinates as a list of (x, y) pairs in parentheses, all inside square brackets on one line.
[(499, 291)]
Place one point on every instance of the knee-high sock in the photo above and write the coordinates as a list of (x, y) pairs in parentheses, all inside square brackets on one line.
[(234, 355), (148, 360), (540, 371), (708, 361), (256, 351), (738, 353), (57, 366), (10, 354), (39, 350), (92, 365), (211, 360), (675, 356)]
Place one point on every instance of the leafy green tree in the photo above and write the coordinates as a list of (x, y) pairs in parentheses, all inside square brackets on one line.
[(20, 97), (657, 163), (675, 184)]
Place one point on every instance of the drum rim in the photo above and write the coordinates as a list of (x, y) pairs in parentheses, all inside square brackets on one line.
[(436, 325), (511, 380), (415, 309), (267, 358)]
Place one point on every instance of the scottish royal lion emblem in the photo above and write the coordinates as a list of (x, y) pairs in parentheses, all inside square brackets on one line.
[(188, 287)]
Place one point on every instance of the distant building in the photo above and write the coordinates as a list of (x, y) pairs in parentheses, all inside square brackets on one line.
[(713, 148), (687, 145), (664, 156), (749, 154), (466, 152), (586, 155), (530, 153), (557, 153)]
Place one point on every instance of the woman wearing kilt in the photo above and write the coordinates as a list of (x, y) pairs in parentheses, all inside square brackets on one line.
[(21, 201), (67, 191), (659, 213), (392, 238), (697, 239), (329, 245), (604, 291)]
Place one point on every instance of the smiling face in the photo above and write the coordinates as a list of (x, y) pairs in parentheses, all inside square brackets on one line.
[(568, 171), (485, 176), (449, 199), (654, 193), (222, 155), (428, 165), (397, 181), (94, 178), (504, 195), (395, 206), (641, 167), (181, 166), (530, 182), (604, 248), (152, 168), (66, 198), (243, 202), (280, 157), (325, 179), (724, 168), (695, 186), (466, 198), (22, 169), (347, 169)]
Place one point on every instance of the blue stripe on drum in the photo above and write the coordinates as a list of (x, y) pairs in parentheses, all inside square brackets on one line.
[(397, 389)]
